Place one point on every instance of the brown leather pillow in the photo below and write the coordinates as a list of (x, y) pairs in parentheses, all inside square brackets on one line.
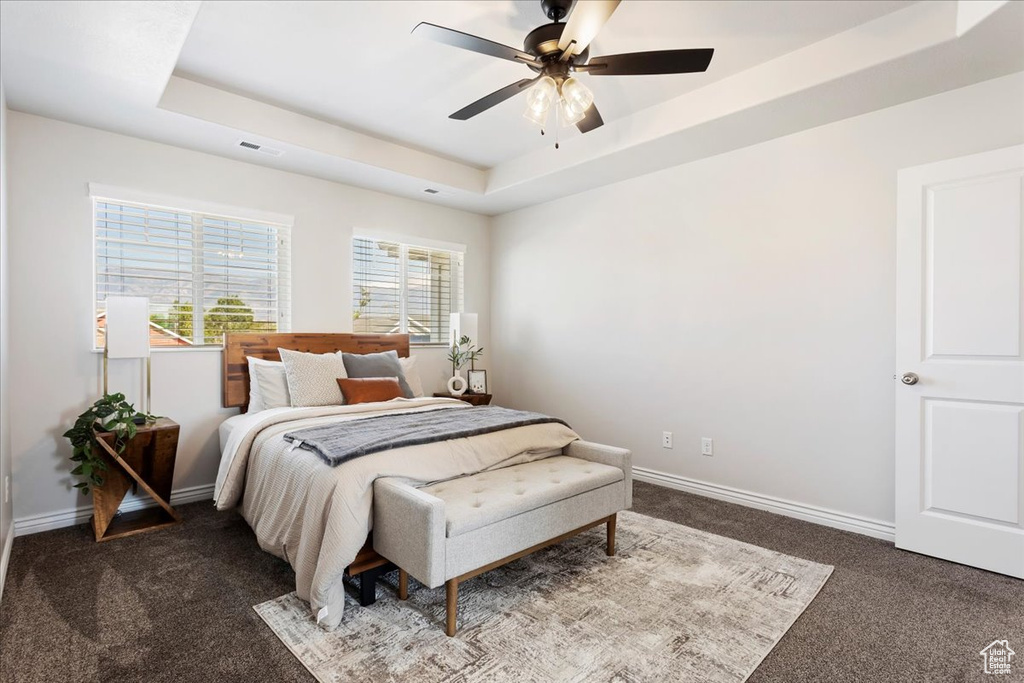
[(370, 389)]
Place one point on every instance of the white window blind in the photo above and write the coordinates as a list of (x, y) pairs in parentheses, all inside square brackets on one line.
[(405, 288), (203, 274)]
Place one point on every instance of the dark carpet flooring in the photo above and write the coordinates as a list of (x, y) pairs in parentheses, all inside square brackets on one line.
[(176, 604)]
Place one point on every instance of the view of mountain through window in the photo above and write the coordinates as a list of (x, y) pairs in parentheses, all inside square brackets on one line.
[(204, 275), (403, 288)]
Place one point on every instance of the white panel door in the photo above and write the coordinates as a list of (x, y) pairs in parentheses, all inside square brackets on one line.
[(960, 381)]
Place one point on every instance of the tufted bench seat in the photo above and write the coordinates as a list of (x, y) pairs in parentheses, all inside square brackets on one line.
[(451, 531), (483, 499)]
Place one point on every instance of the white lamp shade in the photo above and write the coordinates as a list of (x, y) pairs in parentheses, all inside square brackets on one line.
[(127, 327), (464, 324)]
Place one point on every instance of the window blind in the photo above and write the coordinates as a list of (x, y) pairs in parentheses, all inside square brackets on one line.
[(399, 287), (203, 274)]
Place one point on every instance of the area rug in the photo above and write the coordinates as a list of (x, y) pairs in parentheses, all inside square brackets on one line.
[(675, 604)]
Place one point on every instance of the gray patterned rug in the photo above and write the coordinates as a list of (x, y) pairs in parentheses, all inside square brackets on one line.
[(674, 604)]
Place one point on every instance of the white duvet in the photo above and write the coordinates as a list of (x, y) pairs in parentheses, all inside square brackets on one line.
[(317, 517)]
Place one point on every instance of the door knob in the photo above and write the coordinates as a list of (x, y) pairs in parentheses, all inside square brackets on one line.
[(909, 378)]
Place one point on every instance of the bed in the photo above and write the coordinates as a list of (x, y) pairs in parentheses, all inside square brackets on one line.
[(318, 517)]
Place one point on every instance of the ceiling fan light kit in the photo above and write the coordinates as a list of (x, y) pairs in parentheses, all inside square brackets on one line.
[(539, 99), (573, 99), (568, 115), (576, 95), (555, 52)]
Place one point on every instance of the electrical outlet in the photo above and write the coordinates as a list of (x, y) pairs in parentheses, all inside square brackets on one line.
[(707, 446), (666, 439), (7, 488)]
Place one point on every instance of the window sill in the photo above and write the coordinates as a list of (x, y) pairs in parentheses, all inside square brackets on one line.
[(180, 349), (218, 349)]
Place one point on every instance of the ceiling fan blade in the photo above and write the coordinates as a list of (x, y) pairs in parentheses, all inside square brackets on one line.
[(591, 120), (496, 97), (651, 63), (585, 21), (449, 36)]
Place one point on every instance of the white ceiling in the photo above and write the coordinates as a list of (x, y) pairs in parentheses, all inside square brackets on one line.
[(350, 96), (356, 64)]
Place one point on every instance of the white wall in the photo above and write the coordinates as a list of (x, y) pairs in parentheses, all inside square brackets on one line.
[(56, 374), (6, 509), (748, 297)]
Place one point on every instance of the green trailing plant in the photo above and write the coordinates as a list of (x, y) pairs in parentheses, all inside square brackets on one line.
[(459, 357), (113, 414)]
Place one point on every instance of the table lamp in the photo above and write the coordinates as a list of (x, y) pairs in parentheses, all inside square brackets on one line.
[(127, 335), (463, 324)]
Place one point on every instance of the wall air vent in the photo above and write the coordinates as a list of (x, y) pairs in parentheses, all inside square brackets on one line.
[(431, 190), (262, 149)]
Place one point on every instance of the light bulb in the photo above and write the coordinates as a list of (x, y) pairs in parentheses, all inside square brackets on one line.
[(539, 99), (567, 115), (538, 116), (577, 96)]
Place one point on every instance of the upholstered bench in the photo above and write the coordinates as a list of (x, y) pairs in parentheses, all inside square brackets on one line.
[(451, 531)]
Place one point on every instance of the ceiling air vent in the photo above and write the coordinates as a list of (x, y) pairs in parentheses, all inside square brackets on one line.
[(262, 149), (431, 190)]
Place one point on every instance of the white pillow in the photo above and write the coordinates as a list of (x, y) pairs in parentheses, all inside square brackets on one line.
[(412, 375), (275, 380), (313, 377), (273, 385)]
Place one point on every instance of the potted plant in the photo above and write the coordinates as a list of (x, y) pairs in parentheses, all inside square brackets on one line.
[(459, 358), (111, 414)]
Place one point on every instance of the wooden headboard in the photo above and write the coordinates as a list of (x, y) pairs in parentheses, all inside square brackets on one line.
[(237, 346)]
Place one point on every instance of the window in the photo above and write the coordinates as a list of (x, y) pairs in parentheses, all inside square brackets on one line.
[(404, 288), (204, 274)]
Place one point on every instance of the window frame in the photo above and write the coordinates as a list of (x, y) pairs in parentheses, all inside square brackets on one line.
[(198, 211), (405, 243)]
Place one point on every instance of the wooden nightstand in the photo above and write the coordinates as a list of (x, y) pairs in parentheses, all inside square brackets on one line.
[(148, 462), (474, 399)]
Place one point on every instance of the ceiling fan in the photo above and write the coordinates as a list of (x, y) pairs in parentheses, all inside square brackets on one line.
[(558, 50)]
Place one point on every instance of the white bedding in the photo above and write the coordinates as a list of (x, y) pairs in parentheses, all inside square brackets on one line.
[(226, 427), (317, 517)]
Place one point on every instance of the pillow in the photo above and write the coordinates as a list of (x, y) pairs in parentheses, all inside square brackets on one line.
[(271, 381), (412, 375), (255, 397), (369, 390), (312, 377), (377, 365), (273, 384)]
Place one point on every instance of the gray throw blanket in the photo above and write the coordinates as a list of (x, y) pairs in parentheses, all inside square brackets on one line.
[(343, 441)]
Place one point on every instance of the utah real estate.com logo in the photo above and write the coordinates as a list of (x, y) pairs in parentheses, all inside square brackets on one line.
[(997, 657)]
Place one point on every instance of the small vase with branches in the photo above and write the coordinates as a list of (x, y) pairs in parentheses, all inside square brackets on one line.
[(464, 351)]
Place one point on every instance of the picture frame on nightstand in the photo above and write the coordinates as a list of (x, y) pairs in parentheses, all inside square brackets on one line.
[(477, 381)]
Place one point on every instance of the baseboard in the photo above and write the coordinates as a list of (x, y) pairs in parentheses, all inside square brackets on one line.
[(808, 513), (56, 520), (5, 556)]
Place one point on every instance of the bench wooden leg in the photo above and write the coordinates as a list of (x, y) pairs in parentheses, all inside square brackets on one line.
[(403, 584), (611, 536), (451, 587)]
